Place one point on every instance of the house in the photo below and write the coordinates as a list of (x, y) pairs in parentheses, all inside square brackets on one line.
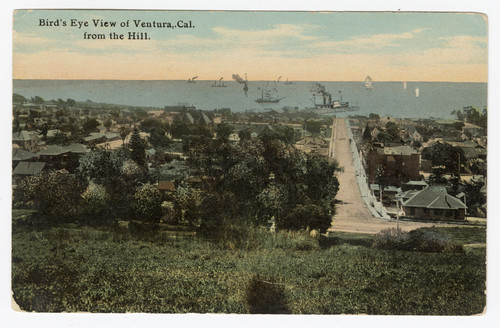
[(202, 119), (414, 185), (314, 145), (62, 157), (24, 169), (187, 118), (19, 155), (234, 137), (166, 187), (434, 203), (27, 140)]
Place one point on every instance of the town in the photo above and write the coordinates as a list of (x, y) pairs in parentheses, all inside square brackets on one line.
[(213, 196), (402, 159)]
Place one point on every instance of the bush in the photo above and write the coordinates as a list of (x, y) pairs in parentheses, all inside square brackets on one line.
[(392, 239), (265, 297), (147, 203), (306, 216), (416, 240), (429, 241)]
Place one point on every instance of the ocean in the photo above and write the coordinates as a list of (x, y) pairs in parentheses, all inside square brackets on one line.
[(436, 99)]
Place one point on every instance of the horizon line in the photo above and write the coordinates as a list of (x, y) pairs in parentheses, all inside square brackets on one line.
[(231, 80)]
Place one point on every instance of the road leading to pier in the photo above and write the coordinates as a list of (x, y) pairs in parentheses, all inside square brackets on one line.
[(352, 215)]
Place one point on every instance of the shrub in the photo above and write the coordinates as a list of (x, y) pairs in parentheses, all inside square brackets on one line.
[(95, 201), (306, 216), (416, 240), (265, 297), (429, 241), (392, 238), (147, 203)]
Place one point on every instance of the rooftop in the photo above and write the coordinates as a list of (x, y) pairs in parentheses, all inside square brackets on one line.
[(28, 168), (434, 197)]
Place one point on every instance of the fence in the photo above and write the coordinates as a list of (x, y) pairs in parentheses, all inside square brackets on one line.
[(374, 206)]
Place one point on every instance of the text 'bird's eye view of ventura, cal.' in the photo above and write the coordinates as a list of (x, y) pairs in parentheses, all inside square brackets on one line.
[(249, 162)]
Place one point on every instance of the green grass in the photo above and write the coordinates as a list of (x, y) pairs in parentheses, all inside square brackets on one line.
[(72, 268)]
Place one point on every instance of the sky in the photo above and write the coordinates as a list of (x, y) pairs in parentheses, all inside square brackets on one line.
[(305, 46)]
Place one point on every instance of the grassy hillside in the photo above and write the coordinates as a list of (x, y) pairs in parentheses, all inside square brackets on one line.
[(72, 268)]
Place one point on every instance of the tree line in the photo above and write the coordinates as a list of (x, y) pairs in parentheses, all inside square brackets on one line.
[(252, 182)]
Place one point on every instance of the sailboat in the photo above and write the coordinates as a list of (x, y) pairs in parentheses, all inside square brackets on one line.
[(245, 88), (220, 84), (404, 85), (289, 82), (267, 96), (368, 82), (192, 80), (417, 92)]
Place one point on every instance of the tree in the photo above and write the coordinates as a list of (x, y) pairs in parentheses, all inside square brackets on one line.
[(392, 130), (95, 201), (158, 138), (90, 125), (151, 123), (258, 180), (56, 196), (108, 123), (471, 115), (18, 99), (285, 134), (367, 136), (124, 132), (140, 114), (137, 148), (223, 132), (444, 154), (374, 116), (179, 128), (437, 177), (244, 134), (187, 204), (306, 216), (37, 100), (146, 203), (313, 126), (100, 166)]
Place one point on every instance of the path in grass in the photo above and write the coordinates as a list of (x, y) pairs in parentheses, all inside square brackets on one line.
[(351, 212)]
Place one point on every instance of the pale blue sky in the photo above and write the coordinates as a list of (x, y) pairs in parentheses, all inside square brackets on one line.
[(335, 45)]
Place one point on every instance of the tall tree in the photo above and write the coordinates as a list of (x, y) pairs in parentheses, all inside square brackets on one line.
[(137, 148), (367, 136), (124, 132)]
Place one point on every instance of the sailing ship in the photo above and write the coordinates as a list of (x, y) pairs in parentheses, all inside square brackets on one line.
[(368, 83), (192, 80), (220, 84), (238, 78), (268, 96)]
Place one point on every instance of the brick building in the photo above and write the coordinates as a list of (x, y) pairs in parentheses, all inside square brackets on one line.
[(401, 164)]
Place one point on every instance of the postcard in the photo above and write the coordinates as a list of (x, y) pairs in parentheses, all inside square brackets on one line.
[(249, 162)]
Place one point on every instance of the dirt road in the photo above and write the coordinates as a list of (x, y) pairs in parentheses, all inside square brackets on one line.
[(351, 212)]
